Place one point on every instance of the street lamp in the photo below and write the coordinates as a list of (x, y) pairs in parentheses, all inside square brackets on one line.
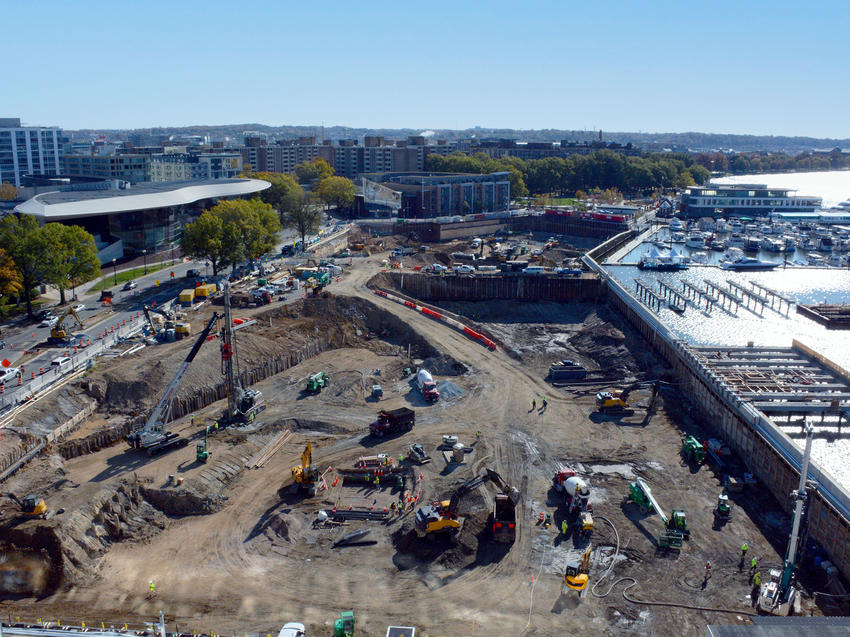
[(114, 272), (145, 257)]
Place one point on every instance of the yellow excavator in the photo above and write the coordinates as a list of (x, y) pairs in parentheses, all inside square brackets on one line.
[(575, 575), (32, 506), (306, 475), (617, 400), (57, 332)]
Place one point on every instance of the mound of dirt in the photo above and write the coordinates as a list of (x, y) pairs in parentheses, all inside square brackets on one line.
[(444, 365)]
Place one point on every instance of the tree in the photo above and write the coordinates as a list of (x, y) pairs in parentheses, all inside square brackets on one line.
[(336, 191), (70, 258), (8, 192), (205, 239), (254, 222), (315, 170), (283, 191), (22, 241), (10, 278), (303, 216)]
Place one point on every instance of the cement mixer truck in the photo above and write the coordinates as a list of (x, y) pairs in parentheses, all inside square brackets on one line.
[(575, 489), (427, 386)]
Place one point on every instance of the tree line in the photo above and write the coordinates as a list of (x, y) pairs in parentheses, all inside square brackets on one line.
[(52, 254), (753, 163), (603, 169)]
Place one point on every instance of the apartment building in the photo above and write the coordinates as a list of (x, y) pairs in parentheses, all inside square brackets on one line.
[(28, 150)]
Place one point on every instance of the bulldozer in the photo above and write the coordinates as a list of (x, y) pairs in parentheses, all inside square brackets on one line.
[(32, 506), (306, 475), (57, 332), (616, 400), (575, 574)]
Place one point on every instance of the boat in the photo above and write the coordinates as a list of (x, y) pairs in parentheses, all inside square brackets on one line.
[(772, 245), (733, 254), (736, 226), (752, 243), (790, 242), (660, 265), (695, 240), (721, 226), (748, 263), (737, 240), (808, 245), (676, 225), (817, 260), (825, 244), (699, 257), (837, 260), (718, 245), (678, 237)]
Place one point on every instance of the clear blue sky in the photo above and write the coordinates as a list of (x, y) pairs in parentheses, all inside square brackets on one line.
[(735, 67)]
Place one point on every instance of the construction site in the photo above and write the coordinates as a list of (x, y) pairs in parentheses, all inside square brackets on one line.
[(353, 450)]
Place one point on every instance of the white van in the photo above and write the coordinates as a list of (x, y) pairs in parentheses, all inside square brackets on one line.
[(533, 269), (8, 374), (63, 363), (475, 243)]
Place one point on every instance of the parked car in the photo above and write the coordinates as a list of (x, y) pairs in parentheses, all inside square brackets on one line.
[(464, 269), (50, 321), (79, 307), (130, 285), (44, 314), (439, 267), (537, 252), (533, 269), (192, 273), (292, 629)]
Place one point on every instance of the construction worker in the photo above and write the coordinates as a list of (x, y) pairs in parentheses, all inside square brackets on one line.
[(707, 571), (744, 549), (478, 435), (377, 481), (754, 564), (544, 404), (564, 527), (757, 580), (151, 589), (193, 420), (533, 404)]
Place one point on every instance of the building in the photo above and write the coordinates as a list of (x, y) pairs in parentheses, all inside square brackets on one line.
[(133, 168), (191, 166), (28, 150), (750, 200), (130, 219), (421, 195)]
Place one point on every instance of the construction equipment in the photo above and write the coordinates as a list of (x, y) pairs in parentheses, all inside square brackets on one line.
[(575, 574), (575, 489), (202, 452), (393, 421), (377, 391), (344, 626), (168, 316), (306, 474), (32, 506), (154, 437), (504, 517), (693, 450), (676, 524), (616, 400), (57, 332), (426, 385), (242, 404), (443, 516), (777, 595), (723, 510), (417, 454), (317, 382)]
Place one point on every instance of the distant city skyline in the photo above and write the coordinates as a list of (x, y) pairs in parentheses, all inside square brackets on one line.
[(757, 68)]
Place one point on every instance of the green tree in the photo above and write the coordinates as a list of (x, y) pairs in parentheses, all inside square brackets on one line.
[(304, 216), (205, 239), (283, 191), (255, 224), (71, 257), (8, 192), (22, 241), (336, 191), (315, 170)]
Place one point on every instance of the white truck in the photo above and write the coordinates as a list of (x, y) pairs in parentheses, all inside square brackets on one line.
[(426, 385)]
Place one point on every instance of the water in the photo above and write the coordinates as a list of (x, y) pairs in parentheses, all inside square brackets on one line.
[(832, 186), (720, 328)]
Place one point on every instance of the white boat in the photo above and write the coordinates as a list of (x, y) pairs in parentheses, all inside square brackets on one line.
[(825, 244), (676, 225), (736, 240), (748, 263), (837, 260), (678, 237), (772, 245), (816, 259), (790, 242), (699, 257), (695, 240), (733, 254), (808, 245), (736, 226), (752, 243), (721, 226)]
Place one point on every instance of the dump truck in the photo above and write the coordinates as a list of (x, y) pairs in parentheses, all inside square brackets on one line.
[(426, 385), (393, 421), (504, 518)]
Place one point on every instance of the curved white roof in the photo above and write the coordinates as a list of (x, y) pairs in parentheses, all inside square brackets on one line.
[(86, 203)]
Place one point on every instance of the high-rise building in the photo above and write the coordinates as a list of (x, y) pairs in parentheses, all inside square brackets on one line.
[(24, 150)]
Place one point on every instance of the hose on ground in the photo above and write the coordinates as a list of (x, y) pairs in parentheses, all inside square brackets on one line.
[(634, 582)]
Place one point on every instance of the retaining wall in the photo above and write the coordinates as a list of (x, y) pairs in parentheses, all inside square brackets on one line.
[(769, 454), (453, 287)]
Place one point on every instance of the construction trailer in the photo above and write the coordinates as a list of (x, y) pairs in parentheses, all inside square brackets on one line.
[(154, 436)]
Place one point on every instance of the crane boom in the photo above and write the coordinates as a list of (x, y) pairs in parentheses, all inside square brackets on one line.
[(154, 428), (242, 404)]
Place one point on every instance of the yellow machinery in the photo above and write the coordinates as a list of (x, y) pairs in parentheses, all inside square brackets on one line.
[(32, 506), (306, 475), (57, 333), (616, 400), (575, 575), (586, 520)]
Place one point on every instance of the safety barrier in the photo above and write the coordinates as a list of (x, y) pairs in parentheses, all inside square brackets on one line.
[(440, 317)]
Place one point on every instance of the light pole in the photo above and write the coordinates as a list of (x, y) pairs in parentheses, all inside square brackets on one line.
[(145, 257), (114, 273)]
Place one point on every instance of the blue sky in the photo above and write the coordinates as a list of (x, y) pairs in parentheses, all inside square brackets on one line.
[(734, 67)]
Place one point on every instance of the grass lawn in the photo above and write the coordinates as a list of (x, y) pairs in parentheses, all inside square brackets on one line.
[(564, 201), (108, 280)]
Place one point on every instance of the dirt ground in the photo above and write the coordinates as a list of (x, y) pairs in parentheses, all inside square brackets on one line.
[(232, 550)]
